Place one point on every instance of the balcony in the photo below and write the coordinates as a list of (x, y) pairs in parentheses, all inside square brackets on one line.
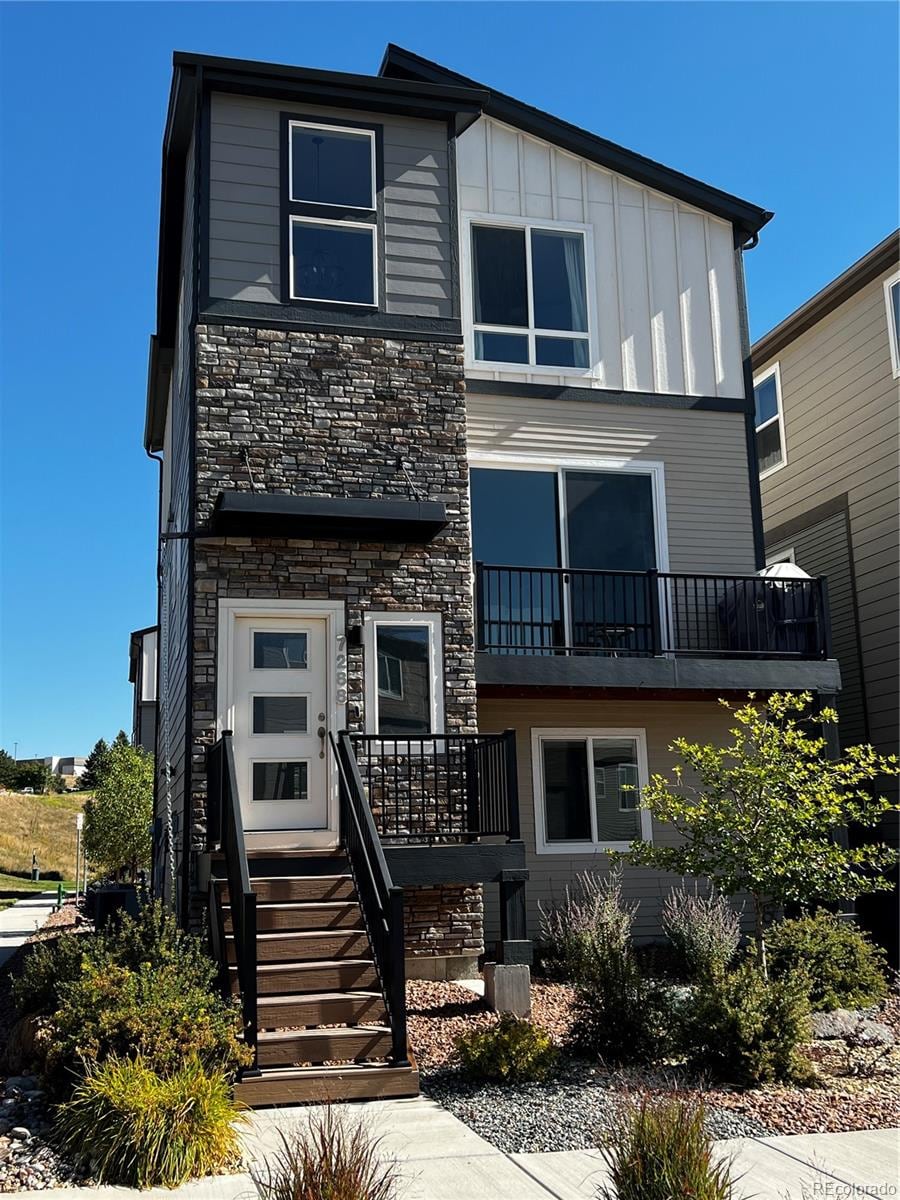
[(577, 627)]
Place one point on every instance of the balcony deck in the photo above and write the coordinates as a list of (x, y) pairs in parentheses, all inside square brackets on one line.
[(549, 627)]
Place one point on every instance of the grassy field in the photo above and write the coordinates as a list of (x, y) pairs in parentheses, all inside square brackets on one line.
[(44, 825)]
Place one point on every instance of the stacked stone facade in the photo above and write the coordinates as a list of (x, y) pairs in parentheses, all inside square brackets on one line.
[(322, 414)]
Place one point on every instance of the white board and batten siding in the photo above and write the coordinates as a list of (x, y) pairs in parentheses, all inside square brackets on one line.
[(244, 208), (662, 274)]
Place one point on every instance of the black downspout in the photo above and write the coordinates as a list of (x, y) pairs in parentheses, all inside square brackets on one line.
[(157, 458), (756, 509)]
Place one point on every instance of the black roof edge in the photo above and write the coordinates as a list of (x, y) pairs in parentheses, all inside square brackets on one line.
[(135, 639), (886, 254), (748, 219)]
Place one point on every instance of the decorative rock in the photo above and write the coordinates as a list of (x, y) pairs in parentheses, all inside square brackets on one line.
[(20, 1133), (845, 1022), (507, 988)]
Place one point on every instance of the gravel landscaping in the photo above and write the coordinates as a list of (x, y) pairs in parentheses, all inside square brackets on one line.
[(569, 1110)]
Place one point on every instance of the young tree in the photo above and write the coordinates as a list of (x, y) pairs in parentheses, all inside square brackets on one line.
[(117, 820), (32, 773), (768, 812), (121, 739), (94, 766)]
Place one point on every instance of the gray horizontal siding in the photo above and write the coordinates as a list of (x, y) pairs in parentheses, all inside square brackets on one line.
[(244, 245), (550, 873)]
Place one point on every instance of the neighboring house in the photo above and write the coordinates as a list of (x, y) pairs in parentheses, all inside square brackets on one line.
[(826, 383), (372, 290), (142, 655), (68, 769)]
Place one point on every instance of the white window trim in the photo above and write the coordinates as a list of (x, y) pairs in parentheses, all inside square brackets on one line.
[(538, 737), (775, 370), (893, 331), (536, 462), (373, 182), (352, 227), (435, 663), (780, 556), (530, 332)]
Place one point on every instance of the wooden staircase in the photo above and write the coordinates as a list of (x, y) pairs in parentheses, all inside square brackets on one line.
[(323, 1032)]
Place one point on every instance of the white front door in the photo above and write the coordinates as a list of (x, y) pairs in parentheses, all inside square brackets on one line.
[(280, 706)]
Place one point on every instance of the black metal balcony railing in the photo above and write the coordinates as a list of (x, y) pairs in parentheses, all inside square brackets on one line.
[(440, 787), (548, 610)]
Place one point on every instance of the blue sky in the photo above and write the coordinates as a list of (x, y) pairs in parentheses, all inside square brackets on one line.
[(792, 106)]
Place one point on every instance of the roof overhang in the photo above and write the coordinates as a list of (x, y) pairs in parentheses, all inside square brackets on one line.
[(878, 261), (260, 514), (135, 646), (746, 218)]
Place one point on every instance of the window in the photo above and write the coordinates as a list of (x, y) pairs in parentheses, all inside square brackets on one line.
[(280, 714), (770, 448), (892, 301), (587, 789), (781, 556), (280, 781), (529, 296), (331, 197), (404, 674), (280, 651)]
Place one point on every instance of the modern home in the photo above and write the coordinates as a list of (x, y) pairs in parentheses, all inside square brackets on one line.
[(460, 525), (826, 386), (142, 668)]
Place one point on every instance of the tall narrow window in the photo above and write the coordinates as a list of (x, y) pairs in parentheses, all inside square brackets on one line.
[(529, 296), (770, 450), (892, 301), (331, 192), (404, 681)]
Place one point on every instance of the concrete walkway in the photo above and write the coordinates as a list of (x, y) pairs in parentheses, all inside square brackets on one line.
[(21, 920), (440, 1158)]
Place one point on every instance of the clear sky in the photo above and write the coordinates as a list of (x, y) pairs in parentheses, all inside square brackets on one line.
[(790, 105)]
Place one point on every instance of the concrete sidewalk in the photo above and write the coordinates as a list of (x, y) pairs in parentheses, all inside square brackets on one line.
[(440, 1158), (21, 920)]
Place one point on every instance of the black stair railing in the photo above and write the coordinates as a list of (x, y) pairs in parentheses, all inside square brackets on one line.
[(440, 787), (380, 900), (227, 833), (551, 610)]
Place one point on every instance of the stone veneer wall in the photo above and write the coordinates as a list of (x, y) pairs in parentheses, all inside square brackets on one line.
[(445, 922), (330, 415)]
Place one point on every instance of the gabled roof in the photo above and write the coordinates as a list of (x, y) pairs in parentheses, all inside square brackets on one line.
[(747, 218), (882, 258)]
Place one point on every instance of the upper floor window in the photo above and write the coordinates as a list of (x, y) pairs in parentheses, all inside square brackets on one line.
[(331, 190), (529, 296), (892, 300), (770, 448)]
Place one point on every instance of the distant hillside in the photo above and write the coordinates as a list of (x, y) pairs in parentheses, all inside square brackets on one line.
[(43, 824)]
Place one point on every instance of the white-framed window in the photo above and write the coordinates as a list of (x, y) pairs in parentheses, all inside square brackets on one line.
[(781, 556), (892, 303), (587, 789), (404, 672), (529, 294), (771, 451), (331, 191)]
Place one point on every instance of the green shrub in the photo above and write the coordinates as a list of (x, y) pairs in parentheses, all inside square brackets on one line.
[(131, 1126), (334, 1158), (705, 931), (49, 966), (619, 1015), (592, 909), (743, 1029), (511, 1051), (660, 1150), (844, 969)]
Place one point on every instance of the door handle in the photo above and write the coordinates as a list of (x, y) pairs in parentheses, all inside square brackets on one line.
[(322, 733)]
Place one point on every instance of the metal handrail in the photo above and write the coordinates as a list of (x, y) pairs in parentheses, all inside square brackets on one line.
[(380, 900), (225, 807)]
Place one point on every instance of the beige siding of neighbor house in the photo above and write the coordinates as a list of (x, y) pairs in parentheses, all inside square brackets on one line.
[(841, 433), (662, 721), (245, 214), (707, 485), (664, 301)]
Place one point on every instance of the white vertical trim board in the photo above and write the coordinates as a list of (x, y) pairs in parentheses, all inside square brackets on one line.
[(433, 622), (893, 332), (775, 370)]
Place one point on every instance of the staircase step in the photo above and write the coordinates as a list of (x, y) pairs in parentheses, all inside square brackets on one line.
[(305, 946), (289, 979), (284, 1047), (299, 915), (321, 1008), (298, 1085), (319, 888)]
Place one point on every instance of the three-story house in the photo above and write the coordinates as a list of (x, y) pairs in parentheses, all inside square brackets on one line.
[(459, 525)]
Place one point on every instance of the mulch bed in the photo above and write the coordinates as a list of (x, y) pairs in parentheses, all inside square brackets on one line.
[(440, 1012)]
